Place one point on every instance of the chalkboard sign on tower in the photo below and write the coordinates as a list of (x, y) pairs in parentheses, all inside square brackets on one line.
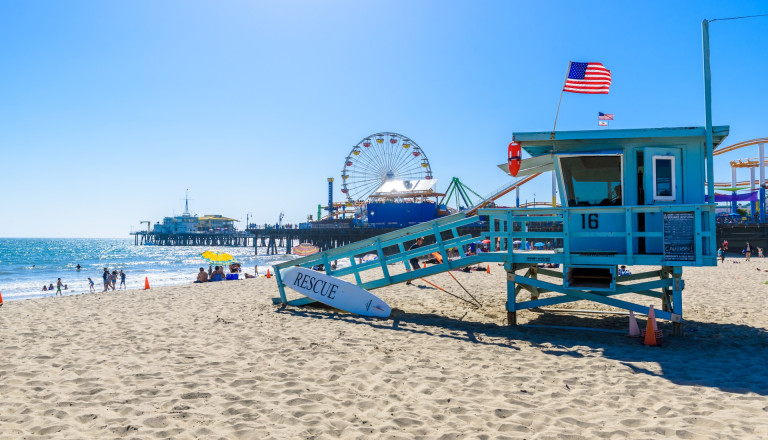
[(679, 236)]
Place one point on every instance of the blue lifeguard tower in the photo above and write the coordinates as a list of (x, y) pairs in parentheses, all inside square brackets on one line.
[(628, 197)]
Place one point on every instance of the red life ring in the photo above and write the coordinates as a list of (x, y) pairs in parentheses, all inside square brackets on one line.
[(514, 156)]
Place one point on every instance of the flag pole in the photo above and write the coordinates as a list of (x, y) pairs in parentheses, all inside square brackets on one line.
[(552, 136)]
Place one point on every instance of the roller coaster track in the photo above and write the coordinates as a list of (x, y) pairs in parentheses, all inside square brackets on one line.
[(738, 145), (741, 163)]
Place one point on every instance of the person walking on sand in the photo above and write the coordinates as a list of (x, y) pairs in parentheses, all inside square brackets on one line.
[(122, 279), (721, 254), (415, 260), (90, 285), (113, 279), (748, 251), (58, 288)]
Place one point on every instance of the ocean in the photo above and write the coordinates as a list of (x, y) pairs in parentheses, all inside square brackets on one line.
[(26, 264)]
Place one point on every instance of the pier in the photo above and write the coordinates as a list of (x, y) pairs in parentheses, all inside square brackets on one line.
[(270, 239), (325, 239), (192, 239)]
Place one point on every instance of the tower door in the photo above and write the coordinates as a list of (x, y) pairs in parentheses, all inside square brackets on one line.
[(663, 176)]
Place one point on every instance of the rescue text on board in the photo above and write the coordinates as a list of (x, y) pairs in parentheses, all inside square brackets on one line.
[(307, 282)]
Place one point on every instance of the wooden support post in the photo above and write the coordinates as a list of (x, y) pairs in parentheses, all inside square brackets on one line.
[(665, 293), (511, 298), (677, 300), (534, 271)]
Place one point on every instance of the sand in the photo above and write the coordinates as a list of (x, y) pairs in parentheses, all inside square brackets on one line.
[(219, 360)]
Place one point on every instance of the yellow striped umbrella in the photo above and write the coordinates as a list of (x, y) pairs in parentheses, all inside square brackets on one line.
[(219, 258)]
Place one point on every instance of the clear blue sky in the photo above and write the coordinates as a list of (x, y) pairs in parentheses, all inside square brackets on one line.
[(111, 109)]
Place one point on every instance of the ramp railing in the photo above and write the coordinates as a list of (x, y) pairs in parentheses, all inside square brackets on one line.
[(392, 247)]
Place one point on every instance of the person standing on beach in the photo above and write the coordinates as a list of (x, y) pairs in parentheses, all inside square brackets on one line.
[(58, 288), (105, 275), (415, 260), (90, 284), (122, 279), (748, 250), (113, 279)]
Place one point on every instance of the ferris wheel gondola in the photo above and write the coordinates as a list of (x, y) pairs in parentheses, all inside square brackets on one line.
[(381, 157)]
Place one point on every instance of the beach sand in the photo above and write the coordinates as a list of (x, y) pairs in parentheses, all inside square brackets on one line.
[(219, 360)]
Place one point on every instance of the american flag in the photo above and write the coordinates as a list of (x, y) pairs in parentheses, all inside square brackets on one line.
[(587, 78), (604, 116)]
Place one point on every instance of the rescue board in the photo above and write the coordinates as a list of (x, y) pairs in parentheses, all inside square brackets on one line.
[(334, 292)]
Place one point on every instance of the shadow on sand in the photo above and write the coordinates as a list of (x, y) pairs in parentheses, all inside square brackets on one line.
[(729, 357)]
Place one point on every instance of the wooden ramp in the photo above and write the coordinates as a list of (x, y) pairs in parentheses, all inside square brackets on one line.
[(514, 238)]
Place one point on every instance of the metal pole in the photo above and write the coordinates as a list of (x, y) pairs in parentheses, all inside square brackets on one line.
[(761, 205), (554, 189), (752, 190), (567, 72), (708, 111), (517, 195), (733, 193)]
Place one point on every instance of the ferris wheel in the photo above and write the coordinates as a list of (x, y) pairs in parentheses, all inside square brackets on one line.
[(381, 157)]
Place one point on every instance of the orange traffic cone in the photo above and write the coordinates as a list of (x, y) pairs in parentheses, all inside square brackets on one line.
[(634, 330), (488, 269), (650, 332), (269, 275), (146, 283), (424, 266), (652, 318)]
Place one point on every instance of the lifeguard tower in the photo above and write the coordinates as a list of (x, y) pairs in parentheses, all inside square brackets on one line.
[(628, 197)]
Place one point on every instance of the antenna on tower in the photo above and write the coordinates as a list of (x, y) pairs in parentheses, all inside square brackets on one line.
[(186, 204)]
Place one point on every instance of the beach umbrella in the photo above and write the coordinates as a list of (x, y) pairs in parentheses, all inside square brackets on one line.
[(218, 258), (486, 241), (516, 242), (305, 249), (370, 257), (539, 244)]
